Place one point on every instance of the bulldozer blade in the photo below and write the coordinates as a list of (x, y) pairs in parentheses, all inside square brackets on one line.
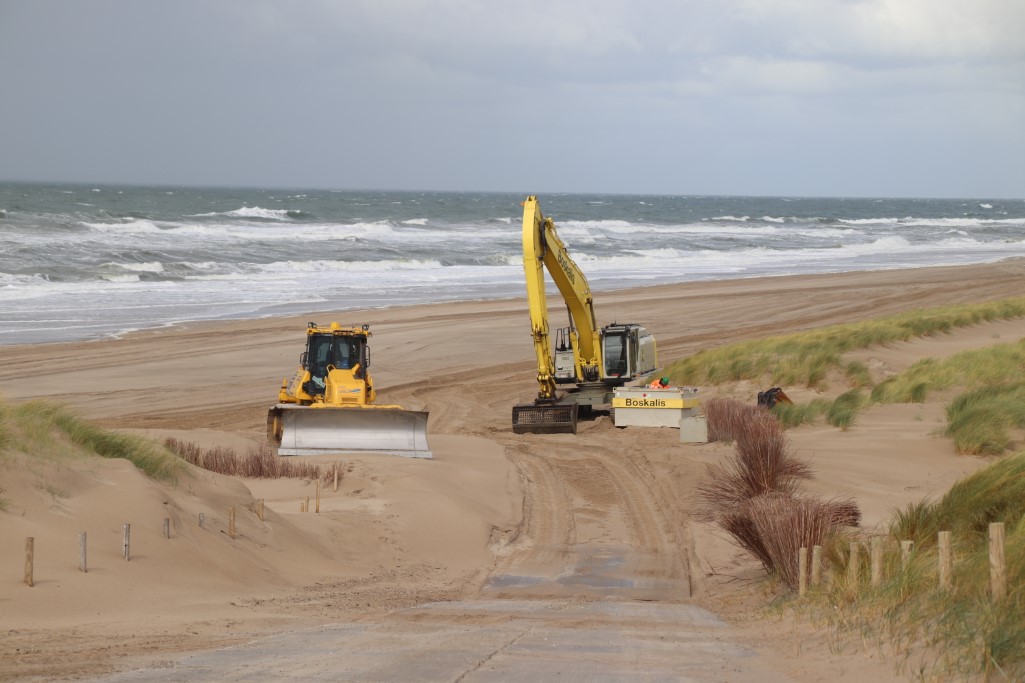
[(300, 430), (545, 418)]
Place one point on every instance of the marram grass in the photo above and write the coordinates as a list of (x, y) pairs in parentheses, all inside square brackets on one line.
[(808, 357), (979, 422), (43, 429), (956, 633)]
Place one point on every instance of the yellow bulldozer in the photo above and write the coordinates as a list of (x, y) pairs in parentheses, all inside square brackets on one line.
[(328, 405)]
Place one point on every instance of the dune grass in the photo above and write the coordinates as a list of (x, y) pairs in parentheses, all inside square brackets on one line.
[(42, 429), (807, 358), (978, 425), (960, 631)]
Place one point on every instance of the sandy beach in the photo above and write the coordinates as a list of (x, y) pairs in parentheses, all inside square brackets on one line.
[(400, 533)]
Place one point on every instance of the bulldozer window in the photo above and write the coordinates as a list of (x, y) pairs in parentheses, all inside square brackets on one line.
[(346, 353), (318, 358)]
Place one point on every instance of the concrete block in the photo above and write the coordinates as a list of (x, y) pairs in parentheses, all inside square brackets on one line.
[(694, 429)]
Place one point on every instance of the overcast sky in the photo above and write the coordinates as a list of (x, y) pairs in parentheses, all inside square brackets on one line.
[(918, 98)]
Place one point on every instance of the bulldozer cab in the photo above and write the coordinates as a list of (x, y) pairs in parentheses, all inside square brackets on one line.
[(327, 350)]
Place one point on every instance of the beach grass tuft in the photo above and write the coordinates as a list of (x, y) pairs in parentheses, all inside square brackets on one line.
[(980, 420), (844, 409), (43, 429)]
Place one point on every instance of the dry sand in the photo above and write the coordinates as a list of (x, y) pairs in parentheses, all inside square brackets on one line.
[(491, 504)]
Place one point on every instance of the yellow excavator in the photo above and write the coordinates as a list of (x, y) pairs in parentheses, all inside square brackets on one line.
[(594, 360), (328, 405)]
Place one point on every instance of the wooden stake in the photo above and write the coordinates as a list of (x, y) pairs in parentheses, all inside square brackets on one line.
[(81, 553), (852, 566), (231, 521), (946, 559), (802, 568), (202, 519), (318, 494), (127, 542), (306, 504), (905, 553), (259, 509), (167, 527), (877, 561), (336, 477), (30, 554), (816, 565), (997, 565)]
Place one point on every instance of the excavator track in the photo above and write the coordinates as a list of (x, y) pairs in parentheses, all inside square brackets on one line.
[(545, 418)]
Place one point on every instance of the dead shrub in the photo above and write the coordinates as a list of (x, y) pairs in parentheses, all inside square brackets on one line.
[(753, 494), (761, 463), (784, 524), (261, 462), (725, 417)]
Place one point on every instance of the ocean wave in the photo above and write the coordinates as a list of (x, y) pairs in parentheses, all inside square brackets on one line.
[(148, 267), (915, 221), (290, 268), (255, 212), (126, 226)]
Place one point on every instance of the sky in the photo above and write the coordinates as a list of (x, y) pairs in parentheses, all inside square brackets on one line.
[(894, 98)]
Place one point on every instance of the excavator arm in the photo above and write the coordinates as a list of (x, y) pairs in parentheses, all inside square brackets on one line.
[(543, 249)]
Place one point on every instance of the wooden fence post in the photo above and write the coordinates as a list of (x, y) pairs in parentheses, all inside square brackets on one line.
[(30, 556), (997, 565), (126, 543), (202, 519), (905, 553), (877, 561), (167, 527), (318, 494), (946, 559), (81, 553), (231, 521), (259, 509), (816, 565), (852, 567), (802, 568), (336, 477)]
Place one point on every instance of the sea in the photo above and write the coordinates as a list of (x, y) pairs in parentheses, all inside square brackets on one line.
[(80, 262)]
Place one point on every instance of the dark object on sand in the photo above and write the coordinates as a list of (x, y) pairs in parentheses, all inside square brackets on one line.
[(770, 397)]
